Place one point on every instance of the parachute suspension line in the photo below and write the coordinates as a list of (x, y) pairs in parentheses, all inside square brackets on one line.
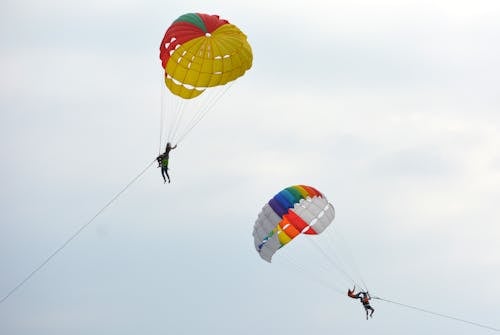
[(321, 269), (333, 263), (189, 109), (169, 118), (307, 273), (162, 116), (171, 113), (438, 314), (336, 255), (207, 107), (328, 267), (334, 251), (177, 113), (75, 234), (349, 256)]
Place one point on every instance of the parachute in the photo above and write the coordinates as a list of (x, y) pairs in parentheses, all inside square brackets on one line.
[(321, 254), (200, 54), (200, 51), (295, 210)]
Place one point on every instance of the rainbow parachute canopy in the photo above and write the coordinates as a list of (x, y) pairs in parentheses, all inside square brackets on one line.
[(298, 209), (200, 51)]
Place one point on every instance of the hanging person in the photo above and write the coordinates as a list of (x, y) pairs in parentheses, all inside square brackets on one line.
[(163, 161), (365, 298)]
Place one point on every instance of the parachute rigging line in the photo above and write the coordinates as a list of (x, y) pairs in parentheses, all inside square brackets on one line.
[(438, 314), (162, 116), (348, 254), (307, 274), (173, 127), (208, 107), (75, 234), (335, 264)]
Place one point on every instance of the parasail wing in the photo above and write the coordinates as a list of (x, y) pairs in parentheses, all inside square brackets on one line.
[(200, 51), (298, 209)]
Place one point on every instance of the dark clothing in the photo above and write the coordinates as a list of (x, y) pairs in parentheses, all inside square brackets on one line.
[(365, 300)]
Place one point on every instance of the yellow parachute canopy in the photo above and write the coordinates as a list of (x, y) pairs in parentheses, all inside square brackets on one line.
[(200, 51)]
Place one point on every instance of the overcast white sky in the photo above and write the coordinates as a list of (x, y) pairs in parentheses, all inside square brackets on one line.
[(390, 108)]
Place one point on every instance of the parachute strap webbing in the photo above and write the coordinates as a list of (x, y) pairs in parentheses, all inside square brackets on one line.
[(75, 234), (439, 314)]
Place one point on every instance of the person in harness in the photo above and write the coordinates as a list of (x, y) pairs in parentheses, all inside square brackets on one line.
[(163, 161), (365, 298)]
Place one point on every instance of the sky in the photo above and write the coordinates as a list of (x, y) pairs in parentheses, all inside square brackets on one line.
[(389, 108)]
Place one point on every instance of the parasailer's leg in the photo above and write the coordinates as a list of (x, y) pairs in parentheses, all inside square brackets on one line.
[(164, 170), (166, 173), (371, 311), (163, 173)]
